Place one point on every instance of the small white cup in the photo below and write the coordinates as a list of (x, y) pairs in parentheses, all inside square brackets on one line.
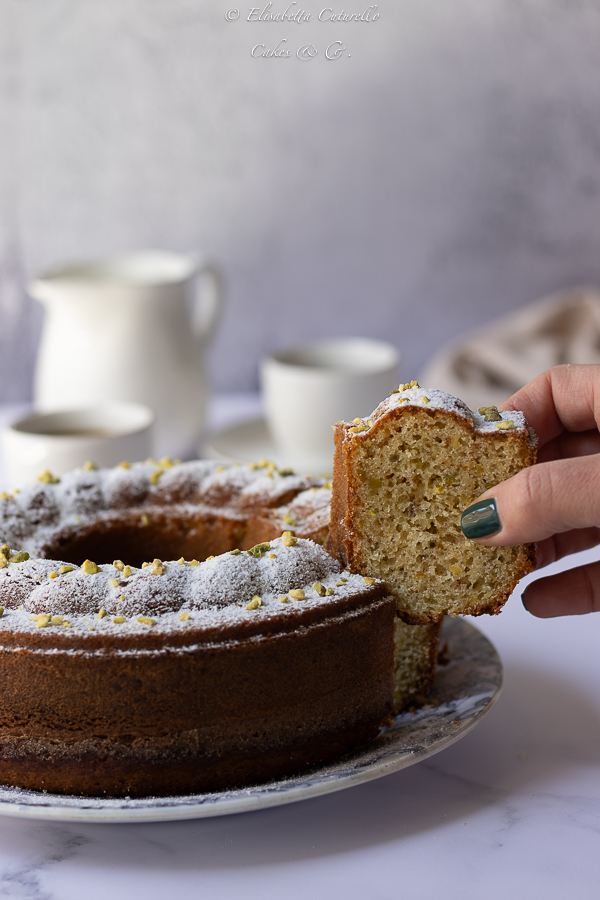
[(308, 389), (60, 441)]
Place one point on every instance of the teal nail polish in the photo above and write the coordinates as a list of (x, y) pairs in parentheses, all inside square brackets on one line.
[(481, 519)]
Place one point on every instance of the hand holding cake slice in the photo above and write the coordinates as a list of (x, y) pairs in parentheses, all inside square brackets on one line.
[(401, 481)]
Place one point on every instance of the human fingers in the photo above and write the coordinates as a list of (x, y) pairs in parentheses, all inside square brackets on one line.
[(567, 444), (559, 545), (562, 398), (542, 500), (571, 593)]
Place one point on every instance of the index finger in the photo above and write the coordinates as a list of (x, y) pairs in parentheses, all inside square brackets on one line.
[(563, 398)]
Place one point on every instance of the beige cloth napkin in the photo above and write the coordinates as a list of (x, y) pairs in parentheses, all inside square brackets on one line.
[(487, 366)]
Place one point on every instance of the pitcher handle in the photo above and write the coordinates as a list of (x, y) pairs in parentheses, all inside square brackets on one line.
[(207, 302)]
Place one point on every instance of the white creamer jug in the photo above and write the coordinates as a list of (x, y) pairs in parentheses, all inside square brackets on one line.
[(131, 327)]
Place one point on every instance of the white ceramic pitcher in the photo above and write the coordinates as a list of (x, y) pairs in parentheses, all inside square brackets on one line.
[(131, 327)]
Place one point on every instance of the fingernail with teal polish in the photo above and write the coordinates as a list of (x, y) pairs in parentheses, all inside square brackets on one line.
[(481, 519)]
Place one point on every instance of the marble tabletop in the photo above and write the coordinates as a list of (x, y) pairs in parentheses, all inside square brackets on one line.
[(512, 810)]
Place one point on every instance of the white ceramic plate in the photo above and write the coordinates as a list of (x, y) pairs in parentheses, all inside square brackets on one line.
[(465, 689)]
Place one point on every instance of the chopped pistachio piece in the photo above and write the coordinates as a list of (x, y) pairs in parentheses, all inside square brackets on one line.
[(90, 568), (490, 413), (48, 478), (53, 574), (65, 569), (259, 549), (320, 589), (508, 425), (254, 603), (184, 617), (144, 620), (21, 556), (297, 595), (118, 620), (102, 613)]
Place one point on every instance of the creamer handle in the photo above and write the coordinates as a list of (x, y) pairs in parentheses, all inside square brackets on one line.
[(209, 296)]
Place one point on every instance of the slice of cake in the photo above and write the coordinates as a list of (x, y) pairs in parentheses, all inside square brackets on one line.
[(415, 661), (402, 478)]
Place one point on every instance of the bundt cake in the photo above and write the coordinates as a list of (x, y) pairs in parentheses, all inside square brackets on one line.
[(183, 677), (401, 479)]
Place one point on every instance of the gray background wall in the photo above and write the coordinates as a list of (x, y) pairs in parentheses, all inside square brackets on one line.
[(446, 171)]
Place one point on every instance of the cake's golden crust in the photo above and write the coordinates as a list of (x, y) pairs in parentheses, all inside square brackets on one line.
[(91, 718), (344, 538)]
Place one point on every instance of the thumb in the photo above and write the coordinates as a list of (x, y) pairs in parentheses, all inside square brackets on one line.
[(542, 500)]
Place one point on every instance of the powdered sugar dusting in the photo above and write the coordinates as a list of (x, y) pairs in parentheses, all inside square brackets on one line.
[(215, 592), (429, 398), (32, 517)]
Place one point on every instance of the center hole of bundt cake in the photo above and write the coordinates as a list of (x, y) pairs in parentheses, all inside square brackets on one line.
[(143, 540)]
